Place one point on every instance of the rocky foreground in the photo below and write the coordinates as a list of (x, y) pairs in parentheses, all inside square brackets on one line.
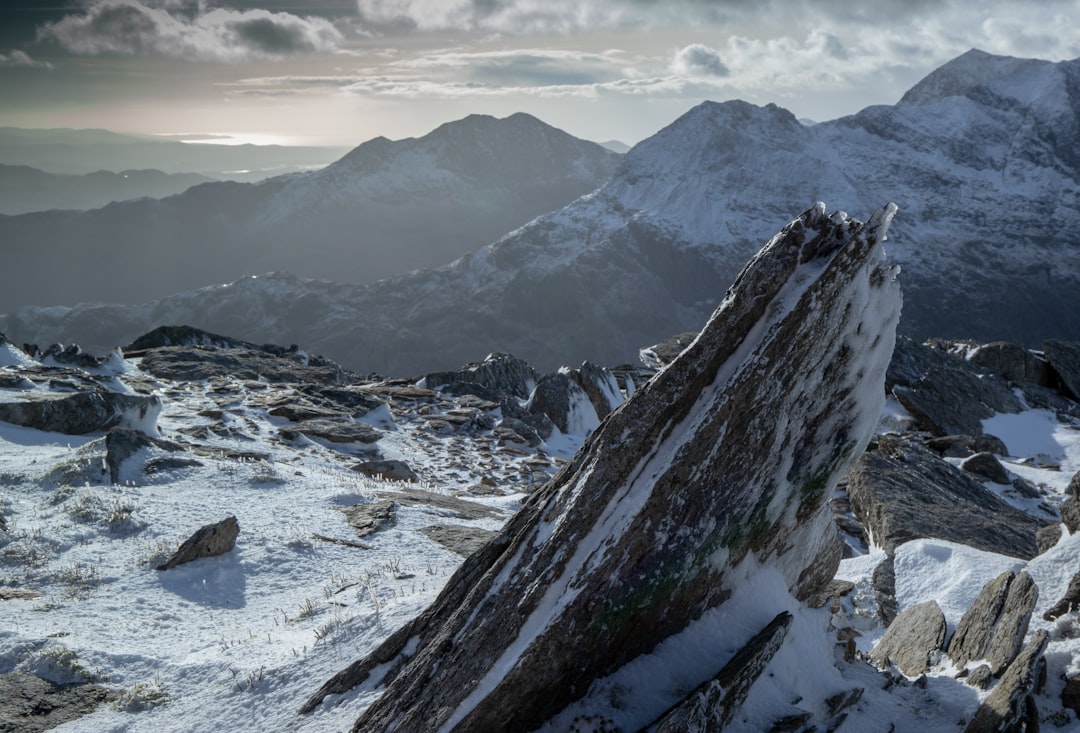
[(738, 545)]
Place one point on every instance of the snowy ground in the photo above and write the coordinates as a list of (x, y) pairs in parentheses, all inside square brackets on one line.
[(236, 642)]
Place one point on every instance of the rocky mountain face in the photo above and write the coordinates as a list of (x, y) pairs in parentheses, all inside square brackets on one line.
[(24, 189), (634, 544), (385, 208), (980, 158)]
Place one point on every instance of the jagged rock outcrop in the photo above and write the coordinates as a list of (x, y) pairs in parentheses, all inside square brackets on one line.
[(121, 444), (1009, 702), (1012, 362), (971, 639), (208, 541), (1069, 603), (1064, 358), (724, 460), (660, 355), (944, 393), (183, 336), (192, 364), (902, 491), (600, 385), (80, 413), (913, 636), (567, 405), (499, 375)]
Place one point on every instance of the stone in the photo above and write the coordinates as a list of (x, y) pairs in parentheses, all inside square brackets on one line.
[(647, 528), (712, 705), (500, 375), (81, 413), (1012, 362), (915, 634), (600, 386), (449, 506), (1064, 359), (1069, 509), (389, 470), (333, 431), (194, 364), (121, 444), (945, 394), (1047, 537), (981, 677), (971, 639), (902, 491), (1006, 704), (370, 517), (1070, 694), (883, 580), (183, 336), (567, 405), (1012, 627), (1069, 603), (987, 466), (29, 704), (660, 355), (210, 540), (458, 538)]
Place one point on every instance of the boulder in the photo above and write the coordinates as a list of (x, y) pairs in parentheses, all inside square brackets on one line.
[(1012, 362), (1006, 705), (1069, 603), (122, 443), (987, 466), (913, 636), (600, 386), (1011, 628), (390, 470), (565, 403), (333, 431), (971, 639), (1069, 509), (500, 375), (945, 394), (708, 481), (80, 413), (458, 538), (1064, 359), (370, 517), (660, 355), (208, 541), (902, 491), (29, 704)]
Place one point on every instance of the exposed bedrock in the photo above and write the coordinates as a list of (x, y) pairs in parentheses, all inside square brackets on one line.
[(718, 468)]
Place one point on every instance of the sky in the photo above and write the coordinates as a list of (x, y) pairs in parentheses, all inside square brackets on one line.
[(339, 72)]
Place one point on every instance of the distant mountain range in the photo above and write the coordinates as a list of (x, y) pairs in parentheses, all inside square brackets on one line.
[(385, 208), (982, 158), (77, 152), (24, 189)]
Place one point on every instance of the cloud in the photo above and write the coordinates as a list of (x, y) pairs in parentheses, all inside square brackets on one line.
[(699, 60), (22, 59), (179, 30)]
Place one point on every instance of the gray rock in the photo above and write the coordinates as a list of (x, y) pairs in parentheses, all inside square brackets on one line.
[(1006, 705), (987, 466), (981, 677), (72, 356), (458, 538), (391, 470), (915, 634), (193, 364), (121, 444), (1069, 602), (945, 394), (708, 455), (600, 385), (884, 582), (1070, 694), (29, 704), (183, 336), (333, 431), (500, 375), (1047, 537), (1012, 362), (564, 402), (1069, 509), (450, 506), (971, 639), (1012, 627), (208, 541), (517, 431), (660, 355), (1064, 359), (82, 412), (712, 705), (369, 518), (902, 491)]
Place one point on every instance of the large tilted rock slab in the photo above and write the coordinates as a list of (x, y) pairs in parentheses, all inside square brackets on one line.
[(917, 632), (725, 459), (209, 540), (1064, 357), (80, 413), (902, 491), (1005, 707)]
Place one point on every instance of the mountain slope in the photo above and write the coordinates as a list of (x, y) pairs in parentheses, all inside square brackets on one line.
[(24, 189), (385, 208), (981, 159)]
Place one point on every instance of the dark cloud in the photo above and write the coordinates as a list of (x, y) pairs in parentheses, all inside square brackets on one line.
[(188, 31), (699, 60)]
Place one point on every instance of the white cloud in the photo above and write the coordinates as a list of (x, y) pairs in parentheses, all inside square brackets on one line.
[(699, 60), (22, 59), (133, 27)]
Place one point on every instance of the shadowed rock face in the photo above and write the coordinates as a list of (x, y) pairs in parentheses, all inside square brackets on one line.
[(728, 454)]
